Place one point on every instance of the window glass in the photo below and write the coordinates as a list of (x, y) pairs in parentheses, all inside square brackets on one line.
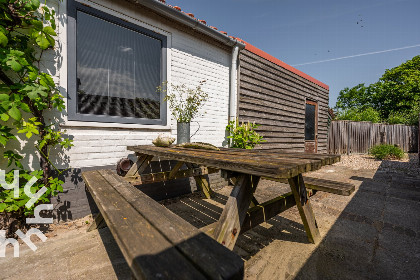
[(310, 122), (118, 70)]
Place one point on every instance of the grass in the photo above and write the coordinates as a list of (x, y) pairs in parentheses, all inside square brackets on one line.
[(386, 152)]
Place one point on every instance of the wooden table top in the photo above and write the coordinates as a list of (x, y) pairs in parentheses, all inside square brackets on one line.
[(273, 164)]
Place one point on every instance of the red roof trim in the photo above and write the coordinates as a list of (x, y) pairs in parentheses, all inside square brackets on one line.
[(271, 58)]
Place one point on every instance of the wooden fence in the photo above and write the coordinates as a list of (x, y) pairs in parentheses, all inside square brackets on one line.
[(349, 137)]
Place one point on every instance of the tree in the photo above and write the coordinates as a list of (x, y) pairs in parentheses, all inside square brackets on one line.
[(356, 97), (395, 96), (398, 90), (27, 92)]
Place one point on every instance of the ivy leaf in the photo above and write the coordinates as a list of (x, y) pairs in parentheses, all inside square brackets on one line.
[(32, 76), (32, 4), (35, 90), (25, 107), (3, 39), (4, 89), (5, 134), (46, 80), (16, 60), (50, 31), (4, 117), (37, 24), (35, 3), (42, 41), (4, 97), (15, 113)]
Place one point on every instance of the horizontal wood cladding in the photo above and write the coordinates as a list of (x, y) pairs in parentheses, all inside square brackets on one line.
[(274, 98), (258, 61)]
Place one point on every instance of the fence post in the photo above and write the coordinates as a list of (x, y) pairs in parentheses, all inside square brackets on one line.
[(348, 138)]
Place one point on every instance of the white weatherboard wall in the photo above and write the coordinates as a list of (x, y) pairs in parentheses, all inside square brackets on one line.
[(190, 60)]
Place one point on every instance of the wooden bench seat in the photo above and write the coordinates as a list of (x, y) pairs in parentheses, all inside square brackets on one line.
[(155, 242), (335, 187), (341, 188)]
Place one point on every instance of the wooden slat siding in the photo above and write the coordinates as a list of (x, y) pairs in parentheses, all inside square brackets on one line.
[(278, 76), (294, 80), (274, 97), (358, 137), (276, 88)]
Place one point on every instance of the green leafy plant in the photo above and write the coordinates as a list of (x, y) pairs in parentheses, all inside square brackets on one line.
[(365, 114), (27, 92), (395, 96), (385, 151), (243, 135), (184, 102)]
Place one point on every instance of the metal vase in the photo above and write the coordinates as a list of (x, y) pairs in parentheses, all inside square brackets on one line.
[(183, 132)]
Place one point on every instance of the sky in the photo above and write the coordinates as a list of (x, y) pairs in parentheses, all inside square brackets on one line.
[(306, 33)]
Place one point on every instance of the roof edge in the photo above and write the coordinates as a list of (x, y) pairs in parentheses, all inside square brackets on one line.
[(277, 61), (183, 18)]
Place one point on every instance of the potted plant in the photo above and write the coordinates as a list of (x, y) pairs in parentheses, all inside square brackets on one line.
[(184, 103), (243, 135)]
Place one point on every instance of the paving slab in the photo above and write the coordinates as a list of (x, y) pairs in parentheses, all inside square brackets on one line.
[(372, 234)]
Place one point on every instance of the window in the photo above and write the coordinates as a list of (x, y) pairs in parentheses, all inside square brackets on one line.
[(310, 121), (114, 69)]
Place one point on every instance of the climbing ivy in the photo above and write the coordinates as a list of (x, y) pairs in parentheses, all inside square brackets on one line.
[(27, 93)]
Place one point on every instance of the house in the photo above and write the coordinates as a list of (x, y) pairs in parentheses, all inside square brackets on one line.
[(290, 106), (113, 54)]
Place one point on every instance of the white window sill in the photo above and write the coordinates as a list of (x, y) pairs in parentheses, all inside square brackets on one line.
[(75, 124)]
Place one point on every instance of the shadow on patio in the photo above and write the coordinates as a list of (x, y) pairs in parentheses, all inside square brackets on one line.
[(377, 235)]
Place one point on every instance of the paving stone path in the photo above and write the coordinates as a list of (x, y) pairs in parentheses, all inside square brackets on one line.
[(372, 234)]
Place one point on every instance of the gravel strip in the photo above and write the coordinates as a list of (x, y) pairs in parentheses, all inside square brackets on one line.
[(408, 165)]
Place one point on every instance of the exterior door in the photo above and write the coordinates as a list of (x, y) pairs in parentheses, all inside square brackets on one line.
[(311, 127)]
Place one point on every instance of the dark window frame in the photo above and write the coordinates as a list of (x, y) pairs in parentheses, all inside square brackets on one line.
[(72, 8), (315, 104)]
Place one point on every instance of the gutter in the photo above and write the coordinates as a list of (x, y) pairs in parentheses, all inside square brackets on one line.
[(183, 18), (233, 84)]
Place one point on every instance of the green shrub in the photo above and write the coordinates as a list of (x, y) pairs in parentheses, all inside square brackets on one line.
[(386, 152), (409, 117), (366, 114), (243, 135)]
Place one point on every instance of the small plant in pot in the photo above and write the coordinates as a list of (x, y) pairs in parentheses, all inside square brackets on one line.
[(184, 103), (243, 135)]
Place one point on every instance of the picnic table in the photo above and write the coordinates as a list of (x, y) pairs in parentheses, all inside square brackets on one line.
[(157, 243), (244, 168)]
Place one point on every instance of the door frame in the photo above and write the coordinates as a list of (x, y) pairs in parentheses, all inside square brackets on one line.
[(315, 103)]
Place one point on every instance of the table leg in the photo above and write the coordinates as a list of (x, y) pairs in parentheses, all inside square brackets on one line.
[(202, 183), (97, 223), (174, 170), (305, 209), (233, 215), (140, 165)]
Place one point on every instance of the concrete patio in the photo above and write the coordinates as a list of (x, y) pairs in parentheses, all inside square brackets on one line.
[(372, 234)]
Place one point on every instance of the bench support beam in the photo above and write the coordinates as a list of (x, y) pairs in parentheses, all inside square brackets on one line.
[(202, 183), (140, 165), (165, 176), (262, 212)]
